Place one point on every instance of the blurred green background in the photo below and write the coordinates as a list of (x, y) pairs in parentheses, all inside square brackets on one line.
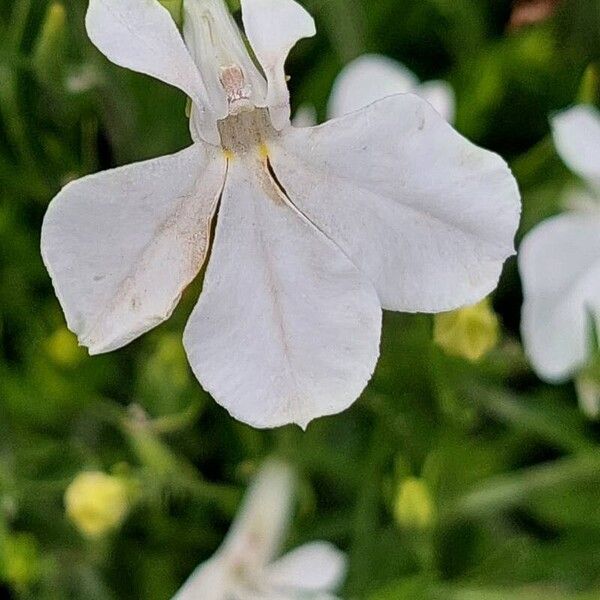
[(503, 493)]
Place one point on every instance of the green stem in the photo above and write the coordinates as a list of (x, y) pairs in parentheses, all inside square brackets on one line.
[(523, 415), (507, 491), (367, 511), (18, 25), (531, 167)]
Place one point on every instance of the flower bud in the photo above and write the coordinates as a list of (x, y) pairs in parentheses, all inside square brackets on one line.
[(587, 384), (96, 503), (414, 507), (588, 394), (589, 91), (63, 349), (19, 560), (469, 332)]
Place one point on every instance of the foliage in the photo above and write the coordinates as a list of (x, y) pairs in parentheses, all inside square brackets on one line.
[(510, 464)]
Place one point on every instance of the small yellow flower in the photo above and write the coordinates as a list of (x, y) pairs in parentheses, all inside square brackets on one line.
[(414, 505), (468, 332), (97, 503)]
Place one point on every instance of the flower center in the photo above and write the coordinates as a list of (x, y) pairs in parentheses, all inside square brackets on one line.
[(232, 80), (246, 131), (238, 92)]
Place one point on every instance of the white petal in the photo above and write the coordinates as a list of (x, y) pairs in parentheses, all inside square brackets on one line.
[(215, 42), (122, 245), (560, 266), (429, 217), (306, 116), (315, 567), (577, 138), (441, 96), (210, 581), (367, 79), (273, 28), (262, 522), (287, 329), (141, 35)]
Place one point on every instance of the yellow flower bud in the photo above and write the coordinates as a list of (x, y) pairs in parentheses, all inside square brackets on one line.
[(97, 503), (468, 332), (63, 349), (587, 385), (414, 507), (19, 560), (589, 91)]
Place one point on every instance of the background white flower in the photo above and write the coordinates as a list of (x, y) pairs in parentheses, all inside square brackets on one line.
[(318, 228), (373, 76), (246, 566), (560, 259)]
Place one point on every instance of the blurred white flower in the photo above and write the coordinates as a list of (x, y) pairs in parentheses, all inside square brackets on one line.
[(246, 566), (318, 228), (305, 116), (560, 259), (372, 77)]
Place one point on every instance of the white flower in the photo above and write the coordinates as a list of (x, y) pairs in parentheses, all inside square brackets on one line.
[(560, 259), (318, 228), (372, 77), (243, 568)]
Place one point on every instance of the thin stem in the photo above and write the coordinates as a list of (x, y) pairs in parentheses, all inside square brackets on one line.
[(523, 415), (366, 514), (18, 25), (507, 491)]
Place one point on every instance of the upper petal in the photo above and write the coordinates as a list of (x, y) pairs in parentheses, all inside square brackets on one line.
[(273, 28), (260, 527), (559, 262), (141, 35), (429, 217), (314, 567), (367, 79), (123, 244), (577, 138), (286, 329)]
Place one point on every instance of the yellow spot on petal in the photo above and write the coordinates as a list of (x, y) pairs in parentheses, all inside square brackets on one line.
[(228, 154), (263, 151)]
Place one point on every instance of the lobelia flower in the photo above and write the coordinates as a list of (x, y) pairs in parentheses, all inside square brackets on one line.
[(372, 77), (243, 569), (559, 260), (317, 228)]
